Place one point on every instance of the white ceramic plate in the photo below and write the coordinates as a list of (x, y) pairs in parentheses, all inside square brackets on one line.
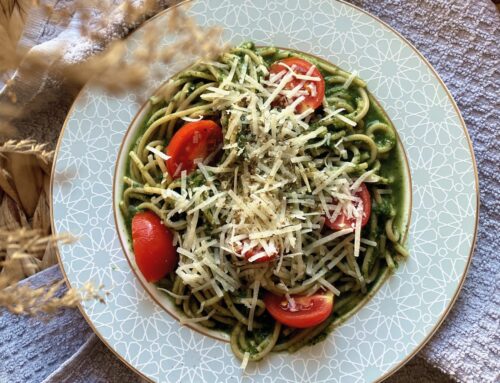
[(408, 308)]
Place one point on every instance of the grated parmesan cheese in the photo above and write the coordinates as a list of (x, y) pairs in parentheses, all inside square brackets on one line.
[(189, 119), (160, 154), (244, 361), (350, 79), (270, 195)]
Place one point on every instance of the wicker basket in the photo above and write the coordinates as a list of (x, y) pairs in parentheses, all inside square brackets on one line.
[(24, 199)]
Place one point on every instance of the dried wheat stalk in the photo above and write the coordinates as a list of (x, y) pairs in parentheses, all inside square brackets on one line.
[(26, 300), (18, 249), (109, 69)]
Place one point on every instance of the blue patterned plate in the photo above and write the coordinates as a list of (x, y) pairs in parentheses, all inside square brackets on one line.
[(408, 308)]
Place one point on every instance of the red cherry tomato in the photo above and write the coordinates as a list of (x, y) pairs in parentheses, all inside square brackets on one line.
[(343, 222), (153, 246), (194, 141), (266, 258), (315, 89), (304, 312)]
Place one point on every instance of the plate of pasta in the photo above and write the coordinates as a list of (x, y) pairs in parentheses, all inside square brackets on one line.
[(300, 207)]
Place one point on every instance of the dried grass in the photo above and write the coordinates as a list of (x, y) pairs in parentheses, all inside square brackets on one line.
[(108, 69), (18, 257), (26, 245), (26, 300), (12, 18)]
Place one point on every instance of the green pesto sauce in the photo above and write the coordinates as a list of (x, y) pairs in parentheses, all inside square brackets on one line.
[(391, 167)]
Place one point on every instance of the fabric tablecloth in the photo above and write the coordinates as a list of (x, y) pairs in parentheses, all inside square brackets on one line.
[(460, 39)]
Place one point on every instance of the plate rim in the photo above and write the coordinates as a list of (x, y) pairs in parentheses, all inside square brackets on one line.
[(463, 125)]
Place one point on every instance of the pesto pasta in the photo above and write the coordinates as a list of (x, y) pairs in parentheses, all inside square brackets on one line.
[(271, 184)]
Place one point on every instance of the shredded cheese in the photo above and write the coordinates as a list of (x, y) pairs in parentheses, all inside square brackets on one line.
[(244, 361), (350, 79), (160, 154), (189, 119), (270, 195)]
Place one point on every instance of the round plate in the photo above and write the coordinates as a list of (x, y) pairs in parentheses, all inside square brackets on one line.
[(408, 308)]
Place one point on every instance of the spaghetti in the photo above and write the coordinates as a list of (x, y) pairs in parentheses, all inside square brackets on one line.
[(279, 204)]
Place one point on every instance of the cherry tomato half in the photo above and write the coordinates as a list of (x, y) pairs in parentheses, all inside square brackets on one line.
[(303, 313), (315, 89), (343, 222), (153, 246), (194, 141)]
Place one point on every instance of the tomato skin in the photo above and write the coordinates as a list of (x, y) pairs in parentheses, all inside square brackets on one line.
[(309, 311), (194, 140), (342, 222), (301, 66), (152, 242)]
